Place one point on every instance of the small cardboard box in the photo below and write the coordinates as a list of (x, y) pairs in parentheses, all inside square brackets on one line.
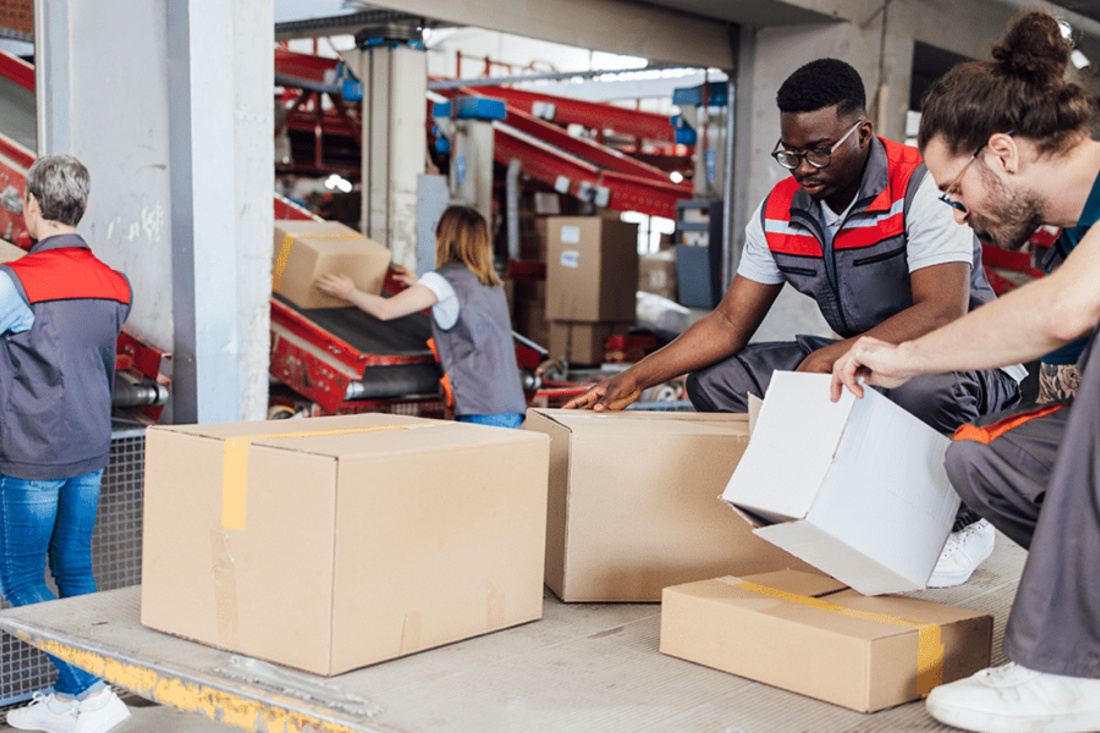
[(591, 269), (634, 503), (856, 488), (328, 544), (582, 343), (9, 252), (657, 273), (806, 634), (305, 250)]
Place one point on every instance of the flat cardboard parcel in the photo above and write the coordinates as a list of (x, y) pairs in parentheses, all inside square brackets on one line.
[(332, 543), (856, 488)]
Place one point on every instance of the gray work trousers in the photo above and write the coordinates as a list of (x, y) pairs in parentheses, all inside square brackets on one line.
[(944, 401), (1035, 474)]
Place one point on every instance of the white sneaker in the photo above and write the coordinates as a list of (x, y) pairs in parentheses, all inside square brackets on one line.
[(101, 713), (47, 713), (1015, 699), (964, 552)]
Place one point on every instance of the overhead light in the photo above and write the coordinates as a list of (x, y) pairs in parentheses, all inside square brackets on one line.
[(1067, 29), (676, 176), (1078, 59)]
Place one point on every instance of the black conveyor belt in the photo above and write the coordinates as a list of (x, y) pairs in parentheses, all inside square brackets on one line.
[(400, 337)]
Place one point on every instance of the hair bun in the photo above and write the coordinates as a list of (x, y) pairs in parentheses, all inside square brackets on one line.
[(1034, 49)]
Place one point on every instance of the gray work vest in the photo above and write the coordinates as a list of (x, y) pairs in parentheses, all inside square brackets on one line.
[(861, 278), (477, 352)]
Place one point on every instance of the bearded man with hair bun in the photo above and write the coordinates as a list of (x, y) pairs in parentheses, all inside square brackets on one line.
[(1008, 143)]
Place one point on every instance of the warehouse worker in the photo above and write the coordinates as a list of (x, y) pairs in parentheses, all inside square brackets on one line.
[(61, 311), (1008, 142), (471, 328), (858, 228)]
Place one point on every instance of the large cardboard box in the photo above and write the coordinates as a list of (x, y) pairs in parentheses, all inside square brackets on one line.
[(591, 269), (806, 634), (579, 342), (305, 250), (856, 488), (328, 544), (634, 503)]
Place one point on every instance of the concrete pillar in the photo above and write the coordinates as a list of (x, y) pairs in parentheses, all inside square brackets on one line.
[(175, 125), (395, 82)]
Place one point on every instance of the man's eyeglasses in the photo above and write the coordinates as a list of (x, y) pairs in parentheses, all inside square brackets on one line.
[(818, 157), (946, 195)]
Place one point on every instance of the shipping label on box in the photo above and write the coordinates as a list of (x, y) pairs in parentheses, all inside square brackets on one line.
[(305, 250), (328, 544), (634, 503), (591, 269), (807, 634), (856, 488)]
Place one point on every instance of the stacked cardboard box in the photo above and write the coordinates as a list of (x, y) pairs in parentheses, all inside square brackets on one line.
[(657, 273), (634, 503), (328, 544), (305, 250), (591, 281)]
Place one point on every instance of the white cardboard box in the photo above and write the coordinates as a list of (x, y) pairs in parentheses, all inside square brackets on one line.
[(856, 488)]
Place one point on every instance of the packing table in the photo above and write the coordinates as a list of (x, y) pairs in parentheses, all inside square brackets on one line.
[(590, 667)]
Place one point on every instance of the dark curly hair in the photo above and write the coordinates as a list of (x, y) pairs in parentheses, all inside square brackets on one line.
[(1023, 90), (821, 84)]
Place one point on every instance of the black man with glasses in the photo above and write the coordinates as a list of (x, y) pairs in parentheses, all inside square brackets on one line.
[(858, 227)]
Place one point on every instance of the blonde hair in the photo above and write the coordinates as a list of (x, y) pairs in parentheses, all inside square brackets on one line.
[(462, 236)]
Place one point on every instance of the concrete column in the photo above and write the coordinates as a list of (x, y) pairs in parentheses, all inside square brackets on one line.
[(175, 125), (395, 82)]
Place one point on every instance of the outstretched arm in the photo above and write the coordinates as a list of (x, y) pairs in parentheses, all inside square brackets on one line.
[(716, 336), (410, 300)]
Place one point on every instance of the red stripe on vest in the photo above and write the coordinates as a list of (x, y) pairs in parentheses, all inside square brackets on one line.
[(68, 273), (856, 237), (795, 244), (901, 161), (989, 433)]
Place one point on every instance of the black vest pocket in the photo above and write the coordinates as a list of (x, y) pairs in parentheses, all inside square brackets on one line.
[(787, 269), (879, 257)]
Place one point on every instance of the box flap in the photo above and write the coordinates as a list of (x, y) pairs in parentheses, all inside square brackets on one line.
[(644, 422), (806, 541), (221, 431), (794, 581), (792, 447)]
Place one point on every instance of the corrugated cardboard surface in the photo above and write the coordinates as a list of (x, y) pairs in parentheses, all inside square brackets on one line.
[(305, 250), (863, 653), (591, 269), (634, 503), (582, 343), (382, 536), (867, 500), (9, 252)]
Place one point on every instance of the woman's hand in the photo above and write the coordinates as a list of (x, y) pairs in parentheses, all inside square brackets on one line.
[(338, 286)]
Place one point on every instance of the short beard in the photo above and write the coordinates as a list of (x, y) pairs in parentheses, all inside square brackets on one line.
[(1020, 214)]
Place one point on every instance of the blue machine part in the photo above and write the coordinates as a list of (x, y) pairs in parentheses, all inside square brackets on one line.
[(685, 133), (460, 169), (392, 43), (472, 108), (712, 165), (351, 89), (716, 95)]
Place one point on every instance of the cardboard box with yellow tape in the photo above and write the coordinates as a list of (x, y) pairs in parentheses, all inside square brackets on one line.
[(305, 250), (332, 543), (809, 634)]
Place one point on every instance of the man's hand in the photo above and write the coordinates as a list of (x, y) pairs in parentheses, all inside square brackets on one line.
[(822, 360), (878, 362), (338, 286), (610, 394)]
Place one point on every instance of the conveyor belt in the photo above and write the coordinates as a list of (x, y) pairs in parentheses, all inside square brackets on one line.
[(400, 337)]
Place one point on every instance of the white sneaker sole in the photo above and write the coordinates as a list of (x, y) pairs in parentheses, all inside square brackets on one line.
[(950, 580), (982, 722)]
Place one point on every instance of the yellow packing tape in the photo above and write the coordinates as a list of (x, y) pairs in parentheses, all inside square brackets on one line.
[(930, 652), (288, 242), (235, 467)]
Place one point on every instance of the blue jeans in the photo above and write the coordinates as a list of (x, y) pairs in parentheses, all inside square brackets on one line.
[(508, 420), (54, 519)]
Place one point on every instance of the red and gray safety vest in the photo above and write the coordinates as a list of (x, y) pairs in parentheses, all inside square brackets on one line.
[(56, 378), (861, 278)]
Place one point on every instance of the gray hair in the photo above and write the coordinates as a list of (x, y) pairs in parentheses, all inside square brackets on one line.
[(60, 183)]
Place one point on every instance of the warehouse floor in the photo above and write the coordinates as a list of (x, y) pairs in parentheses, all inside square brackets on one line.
[(584, 667)]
